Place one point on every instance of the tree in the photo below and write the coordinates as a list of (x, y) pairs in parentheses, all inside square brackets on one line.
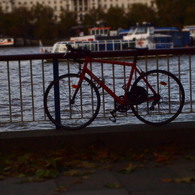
[(115, 18), (16, 23), (189, 19), (175, 12), (44, 25), (94, 17), (67, 20), (21, 27), (1, 22), (139, 13)]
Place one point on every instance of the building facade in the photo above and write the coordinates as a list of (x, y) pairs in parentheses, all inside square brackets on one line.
[(80, 7)]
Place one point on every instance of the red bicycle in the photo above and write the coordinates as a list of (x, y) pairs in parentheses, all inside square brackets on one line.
[(155, 97)]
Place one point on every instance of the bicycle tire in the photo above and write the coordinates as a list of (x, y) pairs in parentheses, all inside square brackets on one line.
[(172, 98), (84, 109)]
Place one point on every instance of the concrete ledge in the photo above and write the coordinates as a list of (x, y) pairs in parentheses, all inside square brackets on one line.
[(135, 136)]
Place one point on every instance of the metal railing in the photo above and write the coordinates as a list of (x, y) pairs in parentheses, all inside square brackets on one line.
[(24, 78), (98, 45)]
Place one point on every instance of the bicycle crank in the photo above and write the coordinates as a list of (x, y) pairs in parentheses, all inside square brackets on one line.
[(156, 101), (113, 112)]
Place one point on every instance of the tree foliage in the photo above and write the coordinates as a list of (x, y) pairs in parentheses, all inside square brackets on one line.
[(67, 20), (43, 22), (94, 17), (39, 22), (175, 12), (115, 17), (139, 13)]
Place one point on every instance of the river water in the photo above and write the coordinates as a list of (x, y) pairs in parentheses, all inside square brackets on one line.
[(18, 50), (185, 75)]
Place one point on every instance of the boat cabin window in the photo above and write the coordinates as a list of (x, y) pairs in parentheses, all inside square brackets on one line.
[(55, 48), (131, 31), (141, 30), (99, 31), (62, 47), (151, 30)]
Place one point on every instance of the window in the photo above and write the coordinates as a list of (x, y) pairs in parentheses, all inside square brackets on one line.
[(141, 30)]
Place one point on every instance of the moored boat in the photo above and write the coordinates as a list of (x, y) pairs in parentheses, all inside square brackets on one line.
[(98, 45), (145, 36), (6, 41)]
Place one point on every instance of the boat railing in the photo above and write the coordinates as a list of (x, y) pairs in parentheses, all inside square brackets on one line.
[(99, 45), (24, 79)]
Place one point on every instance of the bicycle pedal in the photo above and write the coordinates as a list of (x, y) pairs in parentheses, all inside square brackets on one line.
[(113, 117)]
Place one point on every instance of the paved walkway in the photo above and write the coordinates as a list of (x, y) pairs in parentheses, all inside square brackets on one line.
[(150, 176), (176, 178)]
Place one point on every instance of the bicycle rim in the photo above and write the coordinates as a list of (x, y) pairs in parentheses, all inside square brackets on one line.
[(171, 101), (84, 109)]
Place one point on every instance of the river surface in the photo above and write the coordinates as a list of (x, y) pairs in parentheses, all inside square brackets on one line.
[(185, 74), (18, 50)]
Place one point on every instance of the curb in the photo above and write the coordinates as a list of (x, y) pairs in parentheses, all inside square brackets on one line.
[(138, 137)]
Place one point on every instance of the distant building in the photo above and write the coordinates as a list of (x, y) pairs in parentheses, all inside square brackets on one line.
[(81, 7)]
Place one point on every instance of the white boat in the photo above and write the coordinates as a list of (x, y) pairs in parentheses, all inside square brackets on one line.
[(6, 41), (44, 49), (157, 41), (98, 45), (102, 39), (146, 37), (96, 33), (191, 30)]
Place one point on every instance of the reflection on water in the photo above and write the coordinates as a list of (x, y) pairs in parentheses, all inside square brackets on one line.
[(180, 68)]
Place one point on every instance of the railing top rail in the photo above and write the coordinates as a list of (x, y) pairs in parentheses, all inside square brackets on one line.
[(124, 53)]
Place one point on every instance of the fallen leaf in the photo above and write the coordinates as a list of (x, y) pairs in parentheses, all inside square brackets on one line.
[(61, 189), (31, 180), (86, 164), (77, 172), (184, 180), (128, 168), (113, 185), (192, 158), (167, 180), (2, 177), (47, 173), (21, 175), (163, 158)]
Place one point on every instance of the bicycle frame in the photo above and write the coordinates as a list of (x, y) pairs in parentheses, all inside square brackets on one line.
[(134, 69), (149, 96)]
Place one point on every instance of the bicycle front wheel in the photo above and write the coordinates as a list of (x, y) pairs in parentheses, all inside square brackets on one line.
[(67, 114), (171, 98)]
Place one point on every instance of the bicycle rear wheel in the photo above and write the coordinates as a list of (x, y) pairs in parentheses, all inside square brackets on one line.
[(171, 98), (72, 115)]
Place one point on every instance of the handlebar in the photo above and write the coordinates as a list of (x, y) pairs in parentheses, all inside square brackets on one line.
[(78, 50)]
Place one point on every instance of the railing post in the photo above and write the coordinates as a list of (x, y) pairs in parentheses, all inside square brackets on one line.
[(56, 91)]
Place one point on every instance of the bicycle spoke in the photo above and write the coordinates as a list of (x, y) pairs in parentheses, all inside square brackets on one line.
[(73, 114), (171, 99)]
